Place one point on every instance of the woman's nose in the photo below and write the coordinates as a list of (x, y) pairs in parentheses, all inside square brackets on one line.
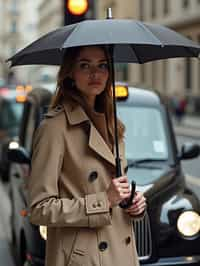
[(94, 71)]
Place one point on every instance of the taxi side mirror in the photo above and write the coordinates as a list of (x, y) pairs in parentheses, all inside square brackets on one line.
[(189, 151), (18, 155)]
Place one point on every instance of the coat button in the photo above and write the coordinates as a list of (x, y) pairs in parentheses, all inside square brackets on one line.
[(128, 240), (93, 176), (103, 246), (94, 205), (99, 204)]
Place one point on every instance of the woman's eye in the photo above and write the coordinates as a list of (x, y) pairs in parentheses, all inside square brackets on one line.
[(84, 66), (103, 66)]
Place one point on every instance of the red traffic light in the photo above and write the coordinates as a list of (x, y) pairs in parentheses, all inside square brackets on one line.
[(77, 7)]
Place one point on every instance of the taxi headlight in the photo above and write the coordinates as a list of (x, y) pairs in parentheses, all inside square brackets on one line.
[(43, 231), (13, 145), (188, 223)]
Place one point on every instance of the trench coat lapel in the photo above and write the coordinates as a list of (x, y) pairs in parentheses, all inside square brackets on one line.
[(76, 116), (97, 143)]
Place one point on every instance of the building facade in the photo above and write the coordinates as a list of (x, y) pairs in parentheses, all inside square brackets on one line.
[(18, 29), (51, 16), (173, 76), (9, 34)]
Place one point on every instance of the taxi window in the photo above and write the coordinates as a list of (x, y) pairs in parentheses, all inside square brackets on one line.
[(145, 134), (11, 113)]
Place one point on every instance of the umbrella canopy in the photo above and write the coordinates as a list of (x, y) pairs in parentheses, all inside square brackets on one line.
[(134, 42), (129, 41)]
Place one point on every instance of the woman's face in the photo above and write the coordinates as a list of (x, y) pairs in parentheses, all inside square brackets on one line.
[(90, 71)]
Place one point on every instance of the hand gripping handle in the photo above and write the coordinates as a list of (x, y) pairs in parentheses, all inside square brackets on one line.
[(128, 202)]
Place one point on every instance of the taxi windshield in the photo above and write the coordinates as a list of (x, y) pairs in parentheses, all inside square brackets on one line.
[(145, 134)]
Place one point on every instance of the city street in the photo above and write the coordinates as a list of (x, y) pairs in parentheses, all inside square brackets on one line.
[(80, 64), (191, 167), (5, 233)]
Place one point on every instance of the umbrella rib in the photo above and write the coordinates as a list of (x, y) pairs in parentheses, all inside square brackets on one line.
[(135, 53), (74, 30), (147, 29)]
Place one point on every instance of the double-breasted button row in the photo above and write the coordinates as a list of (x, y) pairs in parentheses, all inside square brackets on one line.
[(103, 246), (93, 176)]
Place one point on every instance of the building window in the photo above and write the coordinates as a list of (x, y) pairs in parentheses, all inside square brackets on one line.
[(13, 27), (153, 8), (141, 10), (188, 66), (166, 7), (185, 3)]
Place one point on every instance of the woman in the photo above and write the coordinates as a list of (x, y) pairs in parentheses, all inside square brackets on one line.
[(72, 188)]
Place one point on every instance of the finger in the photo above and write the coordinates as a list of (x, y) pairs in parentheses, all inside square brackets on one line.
[(135, 210), (124, 186), (138, 195), (139, 202), (136, 206), (139, 198), (122, 179), (124, 196), (124, 191), (118, 184)]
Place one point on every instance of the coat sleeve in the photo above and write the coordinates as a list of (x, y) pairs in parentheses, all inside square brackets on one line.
[(45, 205)]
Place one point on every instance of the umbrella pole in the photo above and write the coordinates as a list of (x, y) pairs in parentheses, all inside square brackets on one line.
[(111, 48), (127, 202), (117, 158)]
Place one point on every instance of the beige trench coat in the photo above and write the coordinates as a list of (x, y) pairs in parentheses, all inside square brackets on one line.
[(72, 168)]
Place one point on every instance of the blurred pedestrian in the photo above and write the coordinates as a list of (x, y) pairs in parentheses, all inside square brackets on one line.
[(72, 187)]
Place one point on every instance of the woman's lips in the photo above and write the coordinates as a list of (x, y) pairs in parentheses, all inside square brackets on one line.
[(94, 83)]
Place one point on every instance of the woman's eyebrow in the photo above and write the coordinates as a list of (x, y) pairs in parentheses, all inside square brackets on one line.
[(88, 60)]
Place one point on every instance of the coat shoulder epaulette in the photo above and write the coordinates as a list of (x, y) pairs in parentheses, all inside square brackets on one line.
[(54, 111)]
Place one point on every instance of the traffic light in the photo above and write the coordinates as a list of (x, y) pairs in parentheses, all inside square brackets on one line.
[(75, 11)]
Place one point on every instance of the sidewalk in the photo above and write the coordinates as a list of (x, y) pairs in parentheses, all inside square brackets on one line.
[(189, 126)]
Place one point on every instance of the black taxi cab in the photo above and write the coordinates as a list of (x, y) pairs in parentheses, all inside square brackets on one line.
[(170, 232), (11, 108)]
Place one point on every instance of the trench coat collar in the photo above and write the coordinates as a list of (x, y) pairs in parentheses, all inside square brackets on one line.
[(76, 115)]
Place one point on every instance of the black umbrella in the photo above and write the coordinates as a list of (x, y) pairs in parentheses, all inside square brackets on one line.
[(134, 42), (128, 41)]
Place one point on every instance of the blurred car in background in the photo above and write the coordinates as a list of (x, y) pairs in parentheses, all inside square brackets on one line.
[(27, 238), (11, 108), (170, 232)]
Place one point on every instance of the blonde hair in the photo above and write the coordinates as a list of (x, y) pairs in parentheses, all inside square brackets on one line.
[(105, 98)]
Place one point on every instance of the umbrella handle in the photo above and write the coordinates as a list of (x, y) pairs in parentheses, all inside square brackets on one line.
[(128, 202)]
